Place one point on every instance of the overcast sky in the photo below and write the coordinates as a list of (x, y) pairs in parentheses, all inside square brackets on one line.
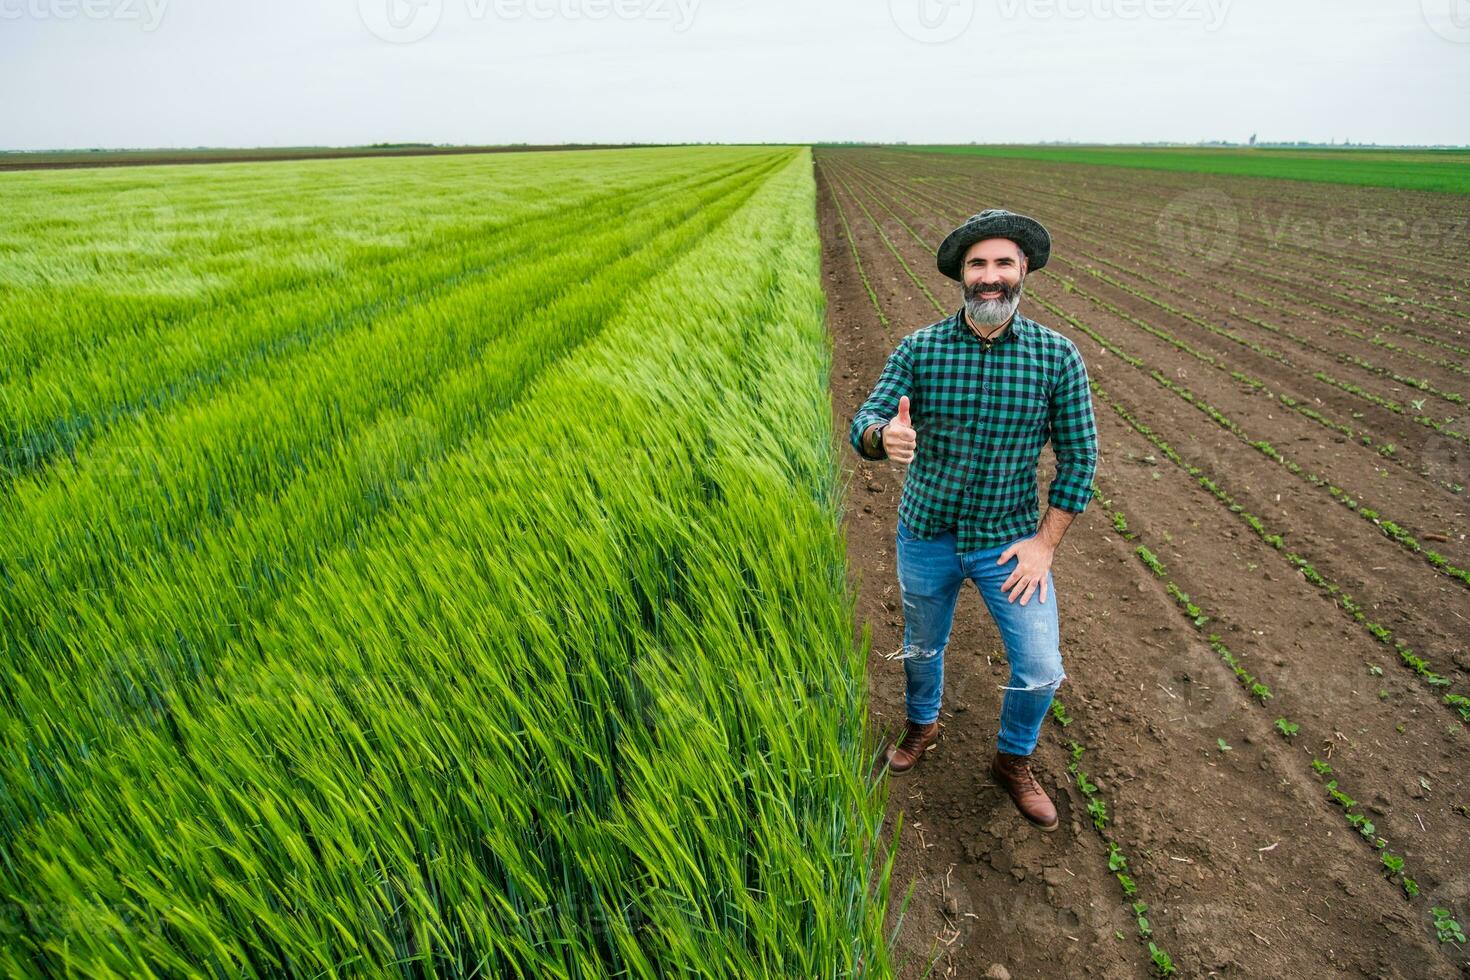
[(153, 73)]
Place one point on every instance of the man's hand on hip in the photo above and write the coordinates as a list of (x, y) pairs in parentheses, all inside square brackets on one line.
[(1033, 562), (899, 437)]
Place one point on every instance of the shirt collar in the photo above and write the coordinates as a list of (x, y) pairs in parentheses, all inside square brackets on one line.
[(1016, 329)]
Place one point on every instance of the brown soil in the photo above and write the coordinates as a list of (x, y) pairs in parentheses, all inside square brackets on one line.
[(1247, 866)]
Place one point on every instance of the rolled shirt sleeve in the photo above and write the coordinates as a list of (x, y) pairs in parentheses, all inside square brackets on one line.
[(1073, 436), (895, 381)]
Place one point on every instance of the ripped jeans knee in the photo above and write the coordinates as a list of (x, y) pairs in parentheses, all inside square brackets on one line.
[(929, 576), (927, 624), (912, 651), (1024, 704), (1027, 685), (923, 669)]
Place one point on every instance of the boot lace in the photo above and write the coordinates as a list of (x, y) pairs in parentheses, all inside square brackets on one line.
[(913, 738), (1021, 768)]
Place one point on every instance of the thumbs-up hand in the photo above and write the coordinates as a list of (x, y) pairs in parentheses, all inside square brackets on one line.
[(899, 437)]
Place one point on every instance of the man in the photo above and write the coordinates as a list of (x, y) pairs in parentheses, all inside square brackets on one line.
[(966, 404)]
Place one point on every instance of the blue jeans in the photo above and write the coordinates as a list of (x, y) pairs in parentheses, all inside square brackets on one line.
[(930, 574)]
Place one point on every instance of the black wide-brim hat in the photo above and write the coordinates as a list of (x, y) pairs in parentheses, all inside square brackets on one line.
[(1026, 232)]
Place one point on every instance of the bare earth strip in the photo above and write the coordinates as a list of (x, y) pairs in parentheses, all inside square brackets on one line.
[(1248, 867)]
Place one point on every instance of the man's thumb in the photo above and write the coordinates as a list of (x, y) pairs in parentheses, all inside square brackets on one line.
[(903, 411)]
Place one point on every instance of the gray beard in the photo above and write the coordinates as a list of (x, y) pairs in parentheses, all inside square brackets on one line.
[(993, 312)]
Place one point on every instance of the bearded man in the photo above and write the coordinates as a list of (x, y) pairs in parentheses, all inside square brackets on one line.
[(966, 405)]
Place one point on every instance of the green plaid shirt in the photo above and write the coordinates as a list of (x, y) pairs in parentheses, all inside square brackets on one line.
[(982, 411)]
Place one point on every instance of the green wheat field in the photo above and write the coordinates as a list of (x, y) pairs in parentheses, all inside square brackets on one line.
[(400, 578)]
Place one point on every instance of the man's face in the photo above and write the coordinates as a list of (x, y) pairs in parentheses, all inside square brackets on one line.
[(993, 270)]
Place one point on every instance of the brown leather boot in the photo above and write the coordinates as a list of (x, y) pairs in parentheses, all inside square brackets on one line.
[(916, 740), (1014, 773)]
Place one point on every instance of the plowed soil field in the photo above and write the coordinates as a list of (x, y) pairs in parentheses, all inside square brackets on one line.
[(1264, 611)]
